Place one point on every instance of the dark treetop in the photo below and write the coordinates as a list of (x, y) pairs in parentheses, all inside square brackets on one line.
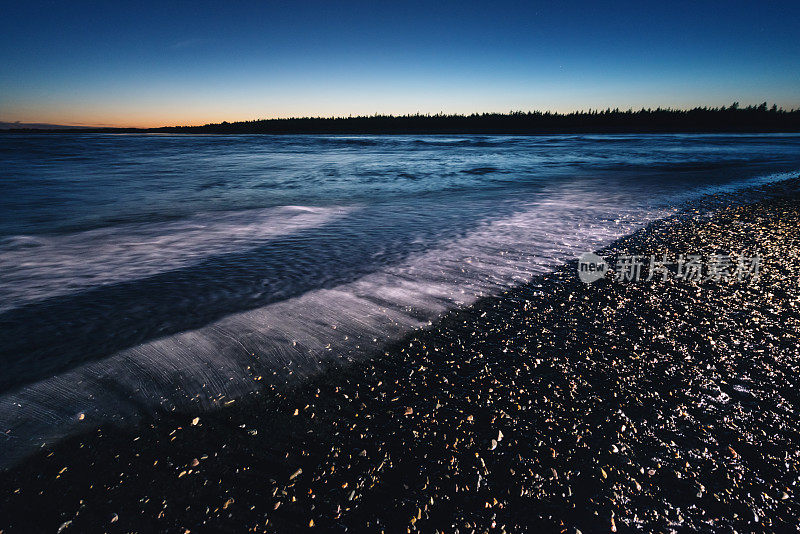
[(724, 119)]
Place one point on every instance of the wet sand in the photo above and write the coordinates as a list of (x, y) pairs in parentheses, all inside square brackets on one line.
[(558, 406)]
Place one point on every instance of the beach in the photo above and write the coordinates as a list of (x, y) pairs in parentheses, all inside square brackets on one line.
[(559, 406), (361, 267), (144, 274)]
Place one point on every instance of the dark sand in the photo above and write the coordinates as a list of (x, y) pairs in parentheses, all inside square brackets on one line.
[(555, 407)]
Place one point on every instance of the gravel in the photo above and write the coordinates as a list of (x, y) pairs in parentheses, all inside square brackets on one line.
[(557, 406)]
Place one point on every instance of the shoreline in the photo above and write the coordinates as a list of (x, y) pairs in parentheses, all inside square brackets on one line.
[(660, 120), (188, 131), (552, 406)]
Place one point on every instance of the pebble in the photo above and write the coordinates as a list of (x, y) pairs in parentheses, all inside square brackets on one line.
[(614, 379)]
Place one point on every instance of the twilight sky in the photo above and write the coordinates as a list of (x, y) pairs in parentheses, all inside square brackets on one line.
[(154, 63)]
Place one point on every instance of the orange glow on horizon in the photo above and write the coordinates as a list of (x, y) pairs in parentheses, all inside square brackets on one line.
[(156, 119)]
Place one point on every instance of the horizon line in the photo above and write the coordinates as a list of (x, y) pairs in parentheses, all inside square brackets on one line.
[(44, 125)]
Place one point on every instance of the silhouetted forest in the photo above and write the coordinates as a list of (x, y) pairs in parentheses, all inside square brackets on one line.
[(733, 118)]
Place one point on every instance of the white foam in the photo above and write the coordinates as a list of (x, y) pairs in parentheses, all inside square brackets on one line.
[(39, 267), (297, 337)]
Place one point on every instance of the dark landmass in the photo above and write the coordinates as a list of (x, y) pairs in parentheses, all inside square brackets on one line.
[(751, 119), (556, 407)]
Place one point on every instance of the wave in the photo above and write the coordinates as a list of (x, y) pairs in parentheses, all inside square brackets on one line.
[(205, 365), (480, 171), (290, 339), (38, 267)]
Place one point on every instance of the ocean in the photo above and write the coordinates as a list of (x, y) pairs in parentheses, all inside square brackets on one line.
[(143, 273)]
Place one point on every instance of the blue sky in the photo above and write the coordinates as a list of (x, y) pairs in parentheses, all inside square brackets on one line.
[(156, 63)]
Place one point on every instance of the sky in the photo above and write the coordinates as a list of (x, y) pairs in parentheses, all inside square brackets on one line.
[(166, 63)]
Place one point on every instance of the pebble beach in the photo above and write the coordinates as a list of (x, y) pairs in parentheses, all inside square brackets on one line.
[(558, 406)]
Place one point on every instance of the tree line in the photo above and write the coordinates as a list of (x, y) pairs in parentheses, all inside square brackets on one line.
[(733, 118)]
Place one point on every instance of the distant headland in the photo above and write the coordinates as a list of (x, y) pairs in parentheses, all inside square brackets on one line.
[(726, 119)]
